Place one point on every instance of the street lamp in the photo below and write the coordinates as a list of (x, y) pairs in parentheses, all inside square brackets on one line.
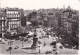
[(39, 48), (10, 42), (22, 42), (44, 39), (10, 48)]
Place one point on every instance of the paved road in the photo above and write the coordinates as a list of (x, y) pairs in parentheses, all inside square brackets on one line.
[(43, 49)]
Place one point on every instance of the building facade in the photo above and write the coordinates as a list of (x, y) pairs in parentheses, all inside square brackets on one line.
[(13, 18), (2, 22), (70, 23)]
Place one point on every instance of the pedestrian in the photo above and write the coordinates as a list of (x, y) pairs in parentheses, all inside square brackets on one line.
[(54, 44), (44, 44), (74, 47), (10, 42)]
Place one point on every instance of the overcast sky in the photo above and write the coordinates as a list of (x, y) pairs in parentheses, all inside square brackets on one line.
[(37, 4)]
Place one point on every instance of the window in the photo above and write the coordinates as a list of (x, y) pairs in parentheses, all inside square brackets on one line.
[(9, 23), (11, 26), (2, 18), (15, 15), (13, 23), (50, 13), (0, 28)]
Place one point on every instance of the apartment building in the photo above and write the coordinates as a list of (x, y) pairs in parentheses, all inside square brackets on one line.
[(2, 22), (14, 16)]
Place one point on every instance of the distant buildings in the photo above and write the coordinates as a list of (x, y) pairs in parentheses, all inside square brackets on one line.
[(70, 24), (69, 21), (11, 18), (26, 12)]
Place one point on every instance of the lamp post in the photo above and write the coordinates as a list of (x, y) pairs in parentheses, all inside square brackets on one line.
[(39, 48), (23, 34), (10, 47), (44, 41), (10, 43), (22, 41)]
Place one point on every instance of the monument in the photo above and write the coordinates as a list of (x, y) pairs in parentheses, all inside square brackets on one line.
[(35, 40)]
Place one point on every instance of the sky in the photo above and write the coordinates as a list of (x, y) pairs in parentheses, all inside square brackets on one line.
[(39, 4)]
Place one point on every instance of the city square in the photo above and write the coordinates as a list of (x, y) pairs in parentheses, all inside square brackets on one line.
[(39, 31), (23, 47)]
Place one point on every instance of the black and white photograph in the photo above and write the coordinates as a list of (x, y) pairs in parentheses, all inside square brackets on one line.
[(39, 27)]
